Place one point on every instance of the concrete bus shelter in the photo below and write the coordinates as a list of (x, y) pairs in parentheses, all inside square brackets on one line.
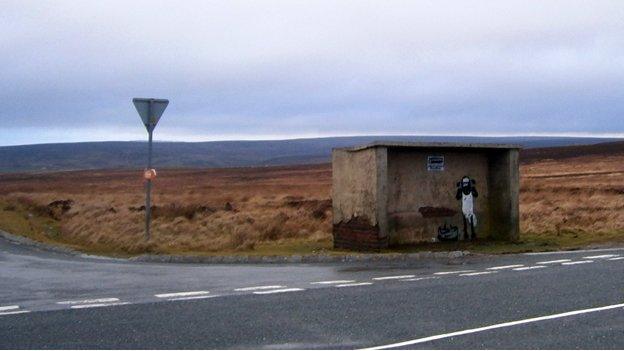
[(392, 193)]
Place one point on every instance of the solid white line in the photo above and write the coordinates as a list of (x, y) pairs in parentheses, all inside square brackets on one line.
[(576, 262), (6, 308), (616, 259), (353, 284), (475, 273), (528, 268), (554, 261), (13, 312), (395, 277), (327, 282), (277, 291), (573, 252), (454, 272), (600, 256), (506, 267), (100, 305), (186, 293), (264, 287), (90, 301), (496, 326), (419, 278), (192, 297)]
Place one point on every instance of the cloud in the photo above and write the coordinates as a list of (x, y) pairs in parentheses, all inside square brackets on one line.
[(289, 68)]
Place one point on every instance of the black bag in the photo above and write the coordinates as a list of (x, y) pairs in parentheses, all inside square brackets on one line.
[(446, 233)]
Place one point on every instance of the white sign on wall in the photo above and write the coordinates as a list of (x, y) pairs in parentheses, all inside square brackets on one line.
[(435, 163)]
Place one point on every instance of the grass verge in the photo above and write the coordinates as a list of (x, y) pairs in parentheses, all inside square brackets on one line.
[(19, 220)]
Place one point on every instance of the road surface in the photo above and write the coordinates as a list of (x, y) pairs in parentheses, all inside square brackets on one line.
[(565, 300)]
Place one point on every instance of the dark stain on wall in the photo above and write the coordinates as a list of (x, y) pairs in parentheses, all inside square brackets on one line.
[(435, 212)]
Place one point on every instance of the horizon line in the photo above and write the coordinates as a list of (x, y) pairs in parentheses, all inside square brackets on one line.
[(347, 135)]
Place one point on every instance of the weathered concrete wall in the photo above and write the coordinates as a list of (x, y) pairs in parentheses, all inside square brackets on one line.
[(384, 194), (420, 201), (355, 199), (505, 189)]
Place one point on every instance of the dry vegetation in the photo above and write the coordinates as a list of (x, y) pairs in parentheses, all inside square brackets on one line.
[(574, 201), (195, 211), (564, 203)]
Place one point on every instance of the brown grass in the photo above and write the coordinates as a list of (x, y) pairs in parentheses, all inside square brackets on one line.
[(200, 211), (576, 199), (564, 203)]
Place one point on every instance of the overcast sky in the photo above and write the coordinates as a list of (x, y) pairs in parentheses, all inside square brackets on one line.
[(282, 69)]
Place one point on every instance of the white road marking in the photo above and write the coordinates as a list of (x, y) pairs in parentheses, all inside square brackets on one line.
[(505, 267), (353, 284), (454, 272), (616, 259), (7, 308), (100, 305), (475, 273), (495, 326), (264, 287), (327, 282), (576, 262), (277, 291), (599, 256), (395, 277), (419, 278), (13, 312), (573, 252), (528, 268), (180, 294), (554, 261), (193, 297), (89, 301)]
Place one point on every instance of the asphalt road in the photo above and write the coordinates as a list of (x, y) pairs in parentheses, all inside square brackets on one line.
[(560, 300)]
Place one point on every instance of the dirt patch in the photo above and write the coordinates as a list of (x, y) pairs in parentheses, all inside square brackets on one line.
[(316, 208)]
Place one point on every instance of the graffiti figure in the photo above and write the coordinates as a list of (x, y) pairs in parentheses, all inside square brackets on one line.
[(466, 192)]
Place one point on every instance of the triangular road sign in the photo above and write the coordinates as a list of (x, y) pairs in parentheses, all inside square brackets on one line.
[(150, 110)]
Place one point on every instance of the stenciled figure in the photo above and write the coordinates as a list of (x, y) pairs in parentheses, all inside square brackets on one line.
[(466, 192)]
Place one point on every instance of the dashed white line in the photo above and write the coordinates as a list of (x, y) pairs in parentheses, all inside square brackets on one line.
[(576, 262), (180, 294), (89, 301), (505, 267), (554, 261), (495, 326), (7, 308), (419, 278), (13, 312), (616, 258), (475, 273), (264, 287), (454, 272), (600, 256), (528, 268), (192, 297), (99, 305), (395, 277), (328, 282), (353, 284), (277, 291), (572, 252)]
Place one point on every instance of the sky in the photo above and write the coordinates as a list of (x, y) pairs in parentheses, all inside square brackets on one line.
[(291, 69)]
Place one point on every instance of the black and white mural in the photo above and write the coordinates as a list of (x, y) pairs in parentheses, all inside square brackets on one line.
[(467, 193)]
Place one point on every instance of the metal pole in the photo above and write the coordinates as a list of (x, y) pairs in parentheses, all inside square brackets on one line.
[(148, 185)]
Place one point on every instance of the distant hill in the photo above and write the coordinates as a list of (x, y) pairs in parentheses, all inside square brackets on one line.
[(563, 152), (130, 154)]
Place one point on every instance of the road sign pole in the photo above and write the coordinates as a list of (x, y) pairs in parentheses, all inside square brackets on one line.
[(150, 110), (148, 185)]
